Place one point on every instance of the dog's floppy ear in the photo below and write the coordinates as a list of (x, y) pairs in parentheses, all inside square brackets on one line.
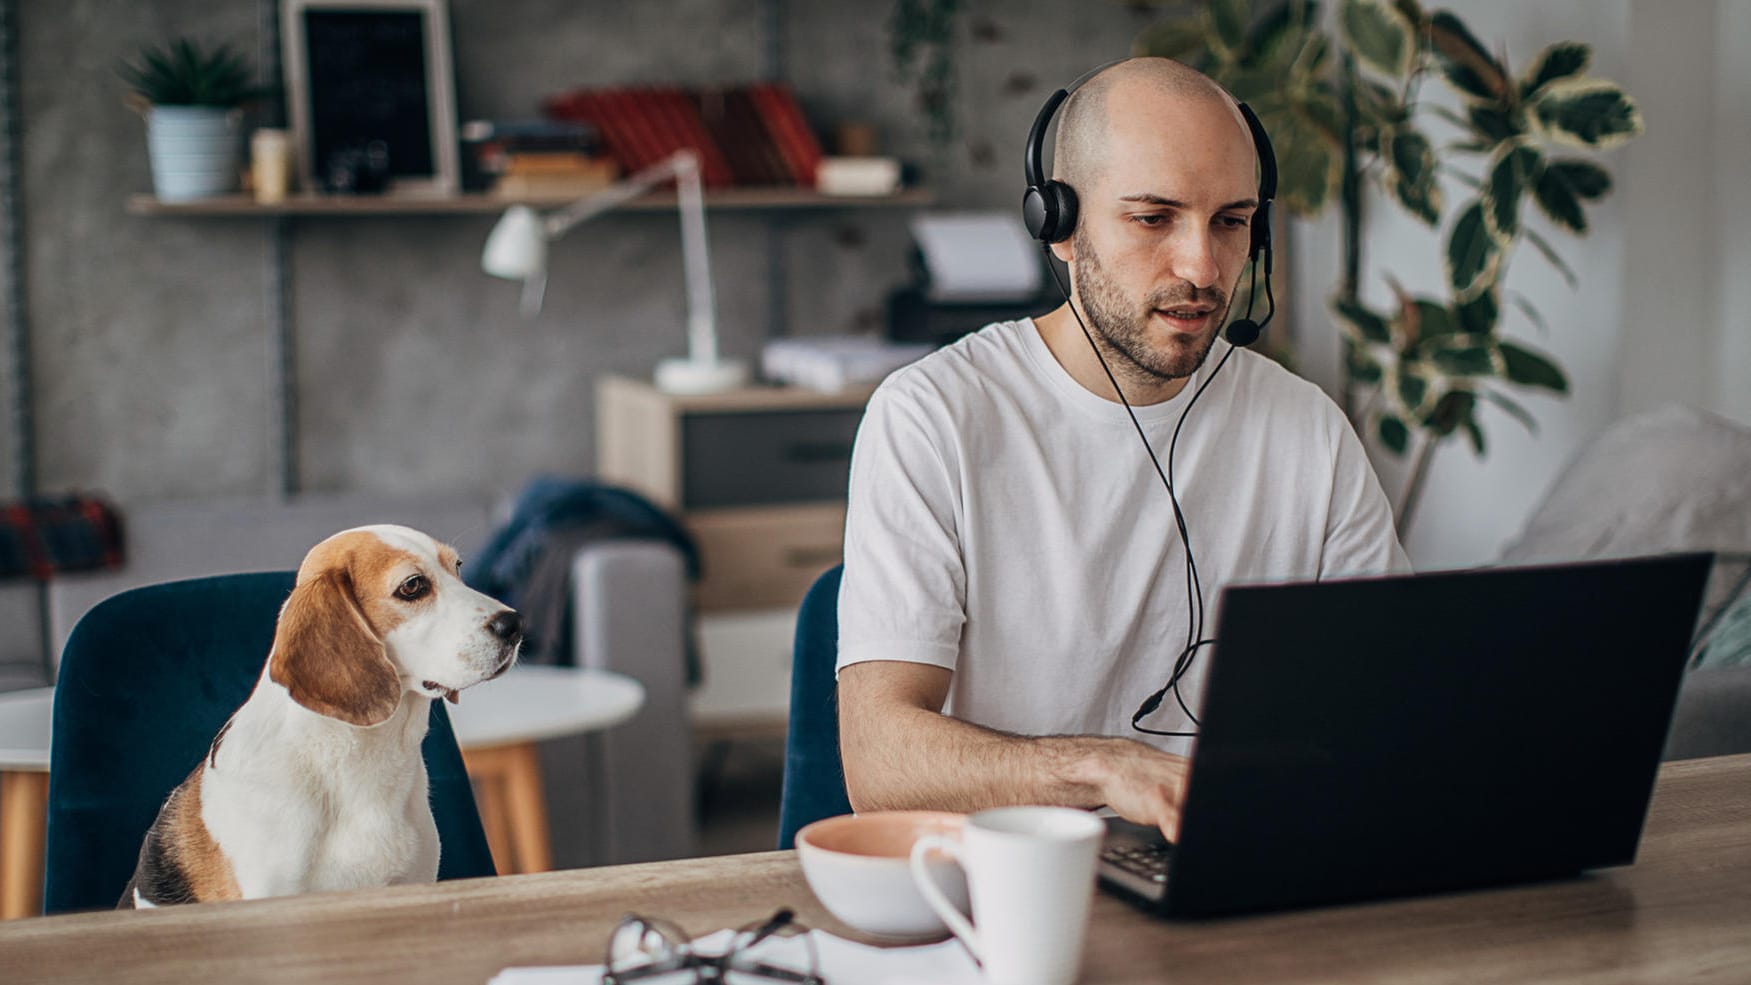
[(326, 655)]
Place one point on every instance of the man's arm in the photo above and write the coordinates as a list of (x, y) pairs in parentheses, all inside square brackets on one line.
[(900, 752)]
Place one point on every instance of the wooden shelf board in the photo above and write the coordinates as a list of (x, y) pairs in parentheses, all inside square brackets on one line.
[(381, 205)]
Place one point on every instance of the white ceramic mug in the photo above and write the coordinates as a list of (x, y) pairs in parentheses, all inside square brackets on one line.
[(1030, 871)]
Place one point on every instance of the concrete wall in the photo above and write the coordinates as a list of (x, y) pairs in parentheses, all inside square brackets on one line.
[(415, 372), (415, 369)]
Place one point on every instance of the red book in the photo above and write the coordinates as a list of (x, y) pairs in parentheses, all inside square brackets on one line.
[(634, 115), (714, 168), (784, 120)]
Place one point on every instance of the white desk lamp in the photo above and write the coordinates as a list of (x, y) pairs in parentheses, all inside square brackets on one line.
[(516, 249)]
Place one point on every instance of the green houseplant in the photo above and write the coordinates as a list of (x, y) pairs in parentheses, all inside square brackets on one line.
[(192, 98), (1347, 113)]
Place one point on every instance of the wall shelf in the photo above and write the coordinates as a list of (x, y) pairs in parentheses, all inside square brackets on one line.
[(752, 199)]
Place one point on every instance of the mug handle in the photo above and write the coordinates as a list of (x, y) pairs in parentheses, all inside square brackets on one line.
[(934, 895)]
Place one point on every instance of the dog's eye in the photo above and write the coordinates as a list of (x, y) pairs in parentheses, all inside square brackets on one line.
[(414, 587)]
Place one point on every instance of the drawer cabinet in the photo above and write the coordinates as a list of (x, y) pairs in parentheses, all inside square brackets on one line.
[(757, 475)]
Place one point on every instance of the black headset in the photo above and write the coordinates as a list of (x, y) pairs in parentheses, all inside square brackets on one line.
[(1048, 207)]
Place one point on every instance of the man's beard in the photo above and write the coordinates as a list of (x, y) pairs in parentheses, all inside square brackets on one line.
[(1126, 333)]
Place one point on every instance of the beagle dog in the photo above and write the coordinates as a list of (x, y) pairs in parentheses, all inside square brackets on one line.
[(317, 782)]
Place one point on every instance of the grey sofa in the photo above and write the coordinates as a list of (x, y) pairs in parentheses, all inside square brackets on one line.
[(1669, 480), (624, 795)]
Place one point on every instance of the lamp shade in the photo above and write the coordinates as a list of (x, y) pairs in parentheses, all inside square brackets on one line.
[(516, 249)]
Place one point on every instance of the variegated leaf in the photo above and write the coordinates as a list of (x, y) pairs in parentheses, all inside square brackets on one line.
[(1562, 60), (1465, 62), (1494, 123), (1363, 367), (1591, 113), (1393, 434), (1412, 390), (1564, 184), (1380, 36), (1465, 355), (1473, 253), (1527, 368), (1359, 323), (1279, 35), (1511, 170), (1480, 314), (1413, 165), (1228, 27), (1453, 409)]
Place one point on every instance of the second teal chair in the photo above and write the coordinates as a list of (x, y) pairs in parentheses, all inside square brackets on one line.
[(814, 777), (146, 680)]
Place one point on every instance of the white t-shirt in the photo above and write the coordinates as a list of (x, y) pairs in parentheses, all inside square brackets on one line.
[(1004, 523)]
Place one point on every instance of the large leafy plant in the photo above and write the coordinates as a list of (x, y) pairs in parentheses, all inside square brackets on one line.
[(1345, 109)]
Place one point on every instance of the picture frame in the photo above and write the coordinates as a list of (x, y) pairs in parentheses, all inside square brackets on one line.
[(364, 76)]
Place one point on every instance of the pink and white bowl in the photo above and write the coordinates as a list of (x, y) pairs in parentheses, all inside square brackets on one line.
[(858, 866)]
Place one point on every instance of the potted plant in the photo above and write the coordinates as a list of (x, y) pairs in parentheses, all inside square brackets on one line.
[(1346, 111), (192, 99)]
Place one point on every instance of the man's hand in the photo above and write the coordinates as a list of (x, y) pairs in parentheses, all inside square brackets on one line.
[(1141, 783), (901, 753)]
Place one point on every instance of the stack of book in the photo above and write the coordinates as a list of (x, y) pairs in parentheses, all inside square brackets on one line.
[(745, 135), (536, 158)]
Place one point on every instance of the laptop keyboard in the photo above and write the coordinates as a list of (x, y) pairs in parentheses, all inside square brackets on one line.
[(1137, 866)]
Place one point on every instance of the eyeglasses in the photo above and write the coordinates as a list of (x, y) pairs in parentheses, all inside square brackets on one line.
[(643, 948)]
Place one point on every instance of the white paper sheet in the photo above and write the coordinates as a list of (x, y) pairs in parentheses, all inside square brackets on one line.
[(843, 962), (978, 256)]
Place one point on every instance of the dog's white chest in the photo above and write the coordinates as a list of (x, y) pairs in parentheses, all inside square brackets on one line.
[(327, 812)]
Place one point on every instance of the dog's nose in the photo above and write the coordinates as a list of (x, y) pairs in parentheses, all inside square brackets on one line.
[(506, 625)]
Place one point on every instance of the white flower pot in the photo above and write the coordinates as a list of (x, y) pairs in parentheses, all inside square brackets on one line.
[(195, 151)]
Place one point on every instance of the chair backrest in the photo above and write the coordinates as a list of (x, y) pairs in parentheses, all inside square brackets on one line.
[(147, 679), (814, 779)]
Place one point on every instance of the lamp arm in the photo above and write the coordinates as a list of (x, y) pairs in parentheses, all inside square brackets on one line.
[(683, 167)]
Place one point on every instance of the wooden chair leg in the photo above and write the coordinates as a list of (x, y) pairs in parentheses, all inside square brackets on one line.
[(487, 770), (527, 803), (24, 805)]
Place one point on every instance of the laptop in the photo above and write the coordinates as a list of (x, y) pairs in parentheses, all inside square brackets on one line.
[(1419, 734)]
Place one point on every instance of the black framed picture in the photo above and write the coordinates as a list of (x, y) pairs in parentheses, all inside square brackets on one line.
[(372, 96)]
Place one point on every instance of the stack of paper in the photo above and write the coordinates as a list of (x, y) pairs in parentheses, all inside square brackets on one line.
[(834, 362)]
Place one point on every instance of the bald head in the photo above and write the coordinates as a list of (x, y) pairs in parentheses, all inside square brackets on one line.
[(1086, 131)]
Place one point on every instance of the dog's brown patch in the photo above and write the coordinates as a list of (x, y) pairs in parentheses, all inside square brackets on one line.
[(207, 870), (328, 647), (179, 861)]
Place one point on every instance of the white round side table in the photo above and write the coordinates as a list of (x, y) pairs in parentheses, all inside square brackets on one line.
[(498, 724), (24, 798)]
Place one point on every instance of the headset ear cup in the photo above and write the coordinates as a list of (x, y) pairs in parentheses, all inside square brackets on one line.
[(1049, 212), (1065, 197), (1261, 230), (1038, 213)]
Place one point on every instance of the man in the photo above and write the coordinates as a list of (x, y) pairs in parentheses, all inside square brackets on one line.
[(1015, 581)]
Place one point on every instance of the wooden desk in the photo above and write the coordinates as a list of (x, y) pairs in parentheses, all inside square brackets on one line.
[(1682, 913)]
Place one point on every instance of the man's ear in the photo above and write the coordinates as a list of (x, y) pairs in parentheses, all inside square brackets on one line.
[(327, 657), (1065, 251)]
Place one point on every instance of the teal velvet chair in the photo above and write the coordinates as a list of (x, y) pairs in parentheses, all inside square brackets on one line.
[(814, 778), (146, 680)]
